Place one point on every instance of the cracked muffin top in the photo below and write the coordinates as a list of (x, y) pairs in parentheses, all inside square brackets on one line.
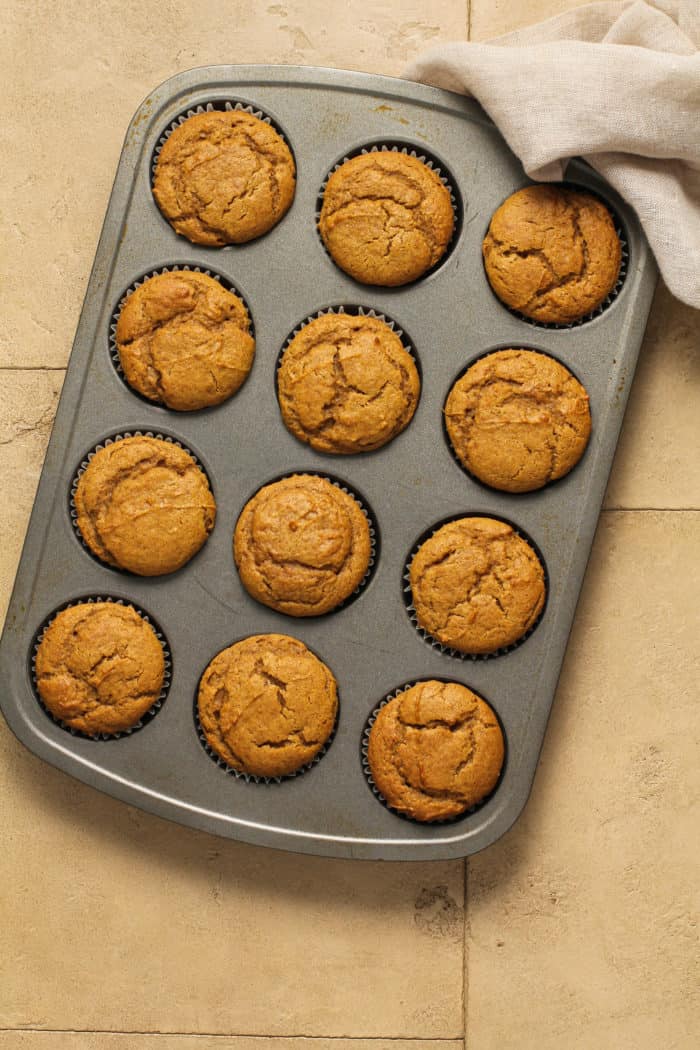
[(476, 585), (184, 340), (552, 253), (99, 667), (224, 178), (144, 504), (435, 751), (302, 545), (386, 218), (347, 384), (517, 420), (267, 705)]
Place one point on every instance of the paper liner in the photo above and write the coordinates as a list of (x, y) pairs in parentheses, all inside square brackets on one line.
[(172, 268), (229, 106), (251, 778), (167, 674), (371, 522), (408, 595), (450, 447), (612, 295), (427, 158), (364, 746), (84, 465)]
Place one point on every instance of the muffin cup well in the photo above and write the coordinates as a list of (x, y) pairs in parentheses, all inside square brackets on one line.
[(222, 105), (445, 433), (611, 296), (408, 596), (364, 746), (430, 161), (251, 778), (366, 510), (356, 311), (167, 674), (73, 510), (172, 268)]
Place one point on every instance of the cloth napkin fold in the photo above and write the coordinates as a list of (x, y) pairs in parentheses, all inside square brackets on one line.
[(617, 83)]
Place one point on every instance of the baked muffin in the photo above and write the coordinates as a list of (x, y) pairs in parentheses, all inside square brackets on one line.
[(144, 505), (224, 178), (552, 253), (99, 667), (386, 218), (302, 545), (476, 585), (435, 751), (267, 705), (347, 384), (517, 419), (184, 340)]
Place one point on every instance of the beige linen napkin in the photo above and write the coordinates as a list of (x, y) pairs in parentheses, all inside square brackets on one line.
[(617, 83)]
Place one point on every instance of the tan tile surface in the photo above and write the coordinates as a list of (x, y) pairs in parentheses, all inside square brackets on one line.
[(585, 915), (127, 922), (82, 68), (493, 17), (658, 462), (27, 404)]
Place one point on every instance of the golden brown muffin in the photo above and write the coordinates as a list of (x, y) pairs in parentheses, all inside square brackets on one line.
[(518, 419), (267, 705), (552, 253), (476, 585), (99, 667), (435, 750), (144, 505), (347, 384), (224, 178), (302, 545), (184, 341), (386, 218)]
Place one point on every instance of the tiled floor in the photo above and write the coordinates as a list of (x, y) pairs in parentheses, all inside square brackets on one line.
[(580, 925)]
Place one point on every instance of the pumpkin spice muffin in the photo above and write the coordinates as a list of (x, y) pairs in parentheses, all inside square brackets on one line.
[(552, 253), (435, 751), (517, 420), (99, 667), (144, 505), (476, 585), (184, 340), (347, 384), (224, 177), (267, 705), (302, 545), (386, 218)]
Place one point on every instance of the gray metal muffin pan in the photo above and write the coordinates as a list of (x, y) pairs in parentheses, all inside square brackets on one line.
[(452, 318)]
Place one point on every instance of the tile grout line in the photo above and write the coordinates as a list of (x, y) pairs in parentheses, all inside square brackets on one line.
[(650, 510), (465, 954), (469, 19), (235, 1035)]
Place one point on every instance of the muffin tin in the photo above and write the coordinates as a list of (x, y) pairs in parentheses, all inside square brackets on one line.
[(411, 485)]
